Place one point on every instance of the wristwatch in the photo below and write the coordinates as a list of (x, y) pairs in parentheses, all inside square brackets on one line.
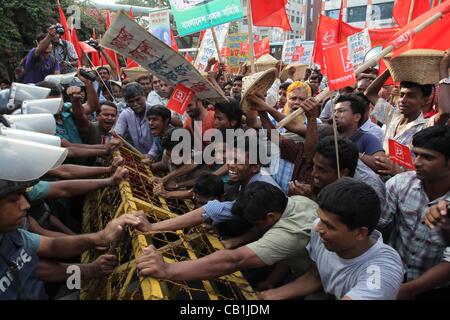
[(445, 81)]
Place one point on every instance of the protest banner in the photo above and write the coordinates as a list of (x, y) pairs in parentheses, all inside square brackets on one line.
[(159, 25), (297, 48), (131, 40), (400, 154), (195, 15), (180, 99), (358, 45), (237, 57), (208, 48), (339, 67)]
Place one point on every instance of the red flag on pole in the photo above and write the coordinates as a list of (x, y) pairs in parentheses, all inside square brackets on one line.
[(270, 13), (339, 66), (76, 45), (330, 32), (434, 36), (401, 9), (86, 48), (95, 58), (63, 22)]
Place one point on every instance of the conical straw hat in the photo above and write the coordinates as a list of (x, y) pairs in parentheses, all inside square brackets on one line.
[(300, 70), (256, 83), (418, 65)]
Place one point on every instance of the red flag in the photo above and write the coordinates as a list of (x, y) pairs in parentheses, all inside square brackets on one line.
[(330, 32), (95, 58), (270, 13), (245, 47), (339, 66), (434, 36), (400, 12), (76, 45), (63, 22), (110, 52), (86, 48), (180, 99), (173, 41), (262, 47), (400, 154)]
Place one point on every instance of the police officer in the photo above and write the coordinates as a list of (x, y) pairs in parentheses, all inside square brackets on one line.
[(20, 249)]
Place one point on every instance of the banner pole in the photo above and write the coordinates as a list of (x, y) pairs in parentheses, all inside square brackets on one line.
[(250, 36)]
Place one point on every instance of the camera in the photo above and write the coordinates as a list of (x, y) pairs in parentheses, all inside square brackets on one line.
[(88, 74), (92, 43), (59, 28)]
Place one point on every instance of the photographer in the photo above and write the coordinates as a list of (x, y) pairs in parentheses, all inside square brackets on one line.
[(64, 51), (40, 61)]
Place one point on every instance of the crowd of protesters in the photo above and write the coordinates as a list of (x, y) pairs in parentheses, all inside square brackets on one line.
[(336, 218)]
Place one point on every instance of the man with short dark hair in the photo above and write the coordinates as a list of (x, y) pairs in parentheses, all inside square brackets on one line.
[(227, 115), (350, 260), (236, 89), (146, 82), (405, 121), (158, 118), (133, 121), (20, 250), (349, 111), (409, 195), (40, 61), (286, 224)]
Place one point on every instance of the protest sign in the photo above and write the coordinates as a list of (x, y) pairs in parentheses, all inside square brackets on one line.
[(180, 99), (208, 47), (159, 25), (131, 40), (339, 67), (358, 45), (400, 154), (262, 47), (195, 15), (237, 57), (297, 50)]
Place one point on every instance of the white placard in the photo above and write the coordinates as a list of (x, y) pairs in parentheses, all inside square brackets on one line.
[(358, 45), (131, 40)]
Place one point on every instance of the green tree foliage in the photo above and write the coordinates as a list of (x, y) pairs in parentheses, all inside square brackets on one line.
[(22, 21)]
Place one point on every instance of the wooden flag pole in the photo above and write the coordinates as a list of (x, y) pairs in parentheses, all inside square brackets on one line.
[(250, 36), (411, 9), (369, 63)]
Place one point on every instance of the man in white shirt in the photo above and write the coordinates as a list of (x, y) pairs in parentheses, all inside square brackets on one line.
[(350, 260)]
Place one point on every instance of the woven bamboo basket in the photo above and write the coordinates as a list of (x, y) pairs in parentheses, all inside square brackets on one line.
[(418, 65)]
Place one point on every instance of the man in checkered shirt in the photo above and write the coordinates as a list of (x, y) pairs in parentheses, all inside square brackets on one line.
[(409, 195)]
